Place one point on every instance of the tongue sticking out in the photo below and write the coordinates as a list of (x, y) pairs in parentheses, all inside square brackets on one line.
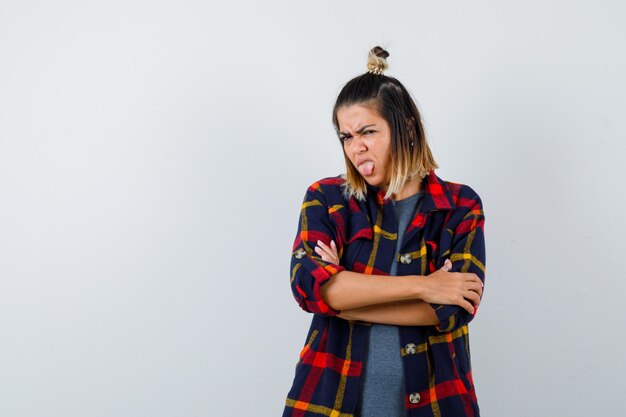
[(366, 168)]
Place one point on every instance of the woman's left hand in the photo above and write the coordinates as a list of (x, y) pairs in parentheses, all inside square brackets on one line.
[(327, 253)]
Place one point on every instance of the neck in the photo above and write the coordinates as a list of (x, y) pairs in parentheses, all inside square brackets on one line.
[(410, 187)]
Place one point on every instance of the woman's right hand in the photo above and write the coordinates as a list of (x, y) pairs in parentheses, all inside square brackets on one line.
[(463, 289), (327, 253)]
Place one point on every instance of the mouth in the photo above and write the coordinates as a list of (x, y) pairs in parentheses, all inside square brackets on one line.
[(365, 167)]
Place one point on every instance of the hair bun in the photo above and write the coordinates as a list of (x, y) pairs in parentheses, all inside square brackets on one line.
[(377, 60)]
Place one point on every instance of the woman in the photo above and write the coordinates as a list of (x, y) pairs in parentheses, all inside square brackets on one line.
[(390, 258)]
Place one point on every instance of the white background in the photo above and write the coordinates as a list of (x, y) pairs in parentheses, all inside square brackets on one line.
[(154, 155)]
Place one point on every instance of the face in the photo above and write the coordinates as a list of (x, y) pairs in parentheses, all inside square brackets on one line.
[(366, 139)]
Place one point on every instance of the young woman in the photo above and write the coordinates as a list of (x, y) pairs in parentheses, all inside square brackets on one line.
[(390, 258)]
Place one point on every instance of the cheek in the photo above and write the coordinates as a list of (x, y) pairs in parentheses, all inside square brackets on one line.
[(386, 155)]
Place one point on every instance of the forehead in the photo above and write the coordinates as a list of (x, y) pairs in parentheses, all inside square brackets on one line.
[(351, 118)]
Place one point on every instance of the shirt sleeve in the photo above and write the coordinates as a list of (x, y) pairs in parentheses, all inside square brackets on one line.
[(467, 254), (308, 271)]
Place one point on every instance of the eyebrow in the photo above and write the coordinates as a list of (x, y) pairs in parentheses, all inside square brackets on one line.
[(358, 131)]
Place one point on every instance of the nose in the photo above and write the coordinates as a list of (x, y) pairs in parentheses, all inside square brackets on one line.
[(357, 144)]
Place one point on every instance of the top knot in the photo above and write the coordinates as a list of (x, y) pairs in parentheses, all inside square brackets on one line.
[(377, 60)]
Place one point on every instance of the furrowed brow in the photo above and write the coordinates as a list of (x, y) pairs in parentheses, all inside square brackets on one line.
[(358, 131)]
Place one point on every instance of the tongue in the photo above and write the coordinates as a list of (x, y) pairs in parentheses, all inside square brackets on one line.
[(366, 168)]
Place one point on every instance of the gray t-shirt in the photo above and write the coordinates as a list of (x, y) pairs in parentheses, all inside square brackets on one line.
[(382, 391)]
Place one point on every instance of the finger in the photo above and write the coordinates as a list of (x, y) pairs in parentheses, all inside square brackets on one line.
[(477, 288), (463, 303), (447, 265), (322, 254), (473, 297), (478, 292), (324, 247), (327, 255), (328, 259), (472, 277), (477, 279), (319, 251), (333, 246), (322, 244)]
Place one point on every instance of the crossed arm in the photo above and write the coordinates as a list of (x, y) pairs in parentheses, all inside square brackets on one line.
[(397, 300)]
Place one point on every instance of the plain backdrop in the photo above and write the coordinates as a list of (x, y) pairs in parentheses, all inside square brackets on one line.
[(154, 155)]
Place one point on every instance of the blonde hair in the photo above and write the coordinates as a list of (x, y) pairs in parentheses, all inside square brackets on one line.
[(410, 154)]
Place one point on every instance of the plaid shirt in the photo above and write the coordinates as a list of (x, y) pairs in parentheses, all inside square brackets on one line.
[(436, 359)]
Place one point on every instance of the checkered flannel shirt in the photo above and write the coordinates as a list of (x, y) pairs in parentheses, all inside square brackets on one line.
[(436, 359)]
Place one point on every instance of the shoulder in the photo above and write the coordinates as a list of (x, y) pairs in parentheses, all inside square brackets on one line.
[(330, 189), (462, 195)]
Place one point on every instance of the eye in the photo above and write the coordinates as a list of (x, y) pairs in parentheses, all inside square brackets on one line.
[(345, 139), (368, 132)]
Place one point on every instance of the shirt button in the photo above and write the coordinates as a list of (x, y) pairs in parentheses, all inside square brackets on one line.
[(410, 349), (406, 258), (414, 397), (299, 253)]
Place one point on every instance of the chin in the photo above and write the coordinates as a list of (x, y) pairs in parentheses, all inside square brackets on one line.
[(374, 182)]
